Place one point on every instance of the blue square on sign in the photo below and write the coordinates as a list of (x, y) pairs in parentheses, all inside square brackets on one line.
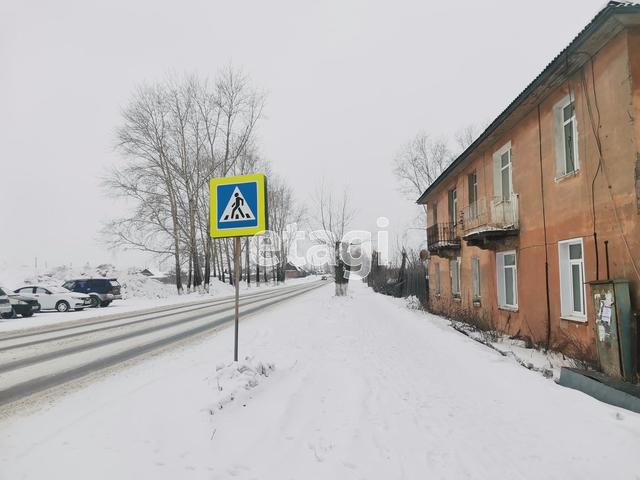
[(237, 205)]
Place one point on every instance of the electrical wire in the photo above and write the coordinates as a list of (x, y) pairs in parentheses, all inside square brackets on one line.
[(601, 164)]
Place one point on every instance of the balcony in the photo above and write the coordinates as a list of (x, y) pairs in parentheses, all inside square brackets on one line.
[(443, 238), (490, 220)]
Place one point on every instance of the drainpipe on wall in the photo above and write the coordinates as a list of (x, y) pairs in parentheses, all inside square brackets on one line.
[(544, 227)]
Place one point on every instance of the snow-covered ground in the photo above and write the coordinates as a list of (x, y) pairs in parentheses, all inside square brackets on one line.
[(548, 363), (335, 388)]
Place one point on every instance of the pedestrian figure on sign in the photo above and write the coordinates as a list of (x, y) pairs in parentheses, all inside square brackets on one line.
[(236, 207)]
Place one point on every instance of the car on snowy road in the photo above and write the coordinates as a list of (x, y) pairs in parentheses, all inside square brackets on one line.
[(55, 298), (102, 291), (5, 305)]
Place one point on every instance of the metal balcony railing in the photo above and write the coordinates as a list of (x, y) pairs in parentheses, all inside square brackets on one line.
[(491, 213), (442, 235)]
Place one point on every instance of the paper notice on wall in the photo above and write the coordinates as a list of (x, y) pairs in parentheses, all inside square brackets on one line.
[(601, 333), (600, 307), (605, 316)]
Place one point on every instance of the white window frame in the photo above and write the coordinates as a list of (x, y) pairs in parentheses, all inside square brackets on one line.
[(475, 278), (455, 262), (501, 285), (498, 194), (565, 267), (561, 152)]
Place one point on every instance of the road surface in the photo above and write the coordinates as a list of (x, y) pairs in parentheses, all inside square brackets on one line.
[(38, 360)]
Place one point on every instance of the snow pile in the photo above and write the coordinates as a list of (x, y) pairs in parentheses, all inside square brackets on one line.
[(137, 285), (234, 381)]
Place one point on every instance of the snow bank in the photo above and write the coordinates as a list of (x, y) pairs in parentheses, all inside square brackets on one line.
[(133, 283), (234, 381)]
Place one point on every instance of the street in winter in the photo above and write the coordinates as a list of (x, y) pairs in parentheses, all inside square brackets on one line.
[(320, 240)]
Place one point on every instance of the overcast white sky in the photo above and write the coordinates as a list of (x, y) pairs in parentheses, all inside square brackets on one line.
[(348, 83)]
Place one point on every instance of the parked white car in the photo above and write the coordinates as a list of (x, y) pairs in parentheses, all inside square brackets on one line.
[(56, 298), (5, 305)]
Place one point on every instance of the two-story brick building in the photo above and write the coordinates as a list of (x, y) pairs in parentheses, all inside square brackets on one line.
[(548, 197)]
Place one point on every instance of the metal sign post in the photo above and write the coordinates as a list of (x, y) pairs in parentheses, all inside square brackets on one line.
[(238, 208), (236, 281)]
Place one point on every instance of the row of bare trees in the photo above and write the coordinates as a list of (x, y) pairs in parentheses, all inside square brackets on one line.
[(174, 137)]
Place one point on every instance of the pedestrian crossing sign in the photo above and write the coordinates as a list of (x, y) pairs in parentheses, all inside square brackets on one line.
[(238, 205)]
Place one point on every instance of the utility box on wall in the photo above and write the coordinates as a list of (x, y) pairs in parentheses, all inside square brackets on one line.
[(616, 335)]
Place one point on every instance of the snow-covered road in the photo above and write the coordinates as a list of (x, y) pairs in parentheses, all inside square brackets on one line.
[(36, 360), (362, 389)]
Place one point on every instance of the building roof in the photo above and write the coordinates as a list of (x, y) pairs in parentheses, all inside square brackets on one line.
[(561, 61), (290, 266)]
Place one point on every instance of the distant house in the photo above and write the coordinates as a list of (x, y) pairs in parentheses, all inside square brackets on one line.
[(547, 199), (146, 272), (291, 271)]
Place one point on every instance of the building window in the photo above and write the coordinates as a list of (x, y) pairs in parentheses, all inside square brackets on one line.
[(566, 136), (473, 195), (507, 272), (503, 174), (453, 206), (434, 213), (436, 278), (572, 287), (454, 270), (475, 277)]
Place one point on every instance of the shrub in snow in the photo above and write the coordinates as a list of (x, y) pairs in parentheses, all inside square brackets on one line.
[(413, 303)]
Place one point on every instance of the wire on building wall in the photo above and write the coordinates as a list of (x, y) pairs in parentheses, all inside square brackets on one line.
[(601, 166)]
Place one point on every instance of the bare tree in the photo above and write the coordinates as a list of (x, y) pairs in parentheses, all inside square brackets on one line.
[(285, 214), (422, 159), (420, 162), (334, 215), (174, 137), (466, 136), (148, 178)]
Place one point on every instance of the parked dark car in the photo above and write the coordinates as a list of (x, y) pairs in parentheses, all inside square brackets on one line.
[(19, 304), (5, 305), (23, 306), (102, 290)]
